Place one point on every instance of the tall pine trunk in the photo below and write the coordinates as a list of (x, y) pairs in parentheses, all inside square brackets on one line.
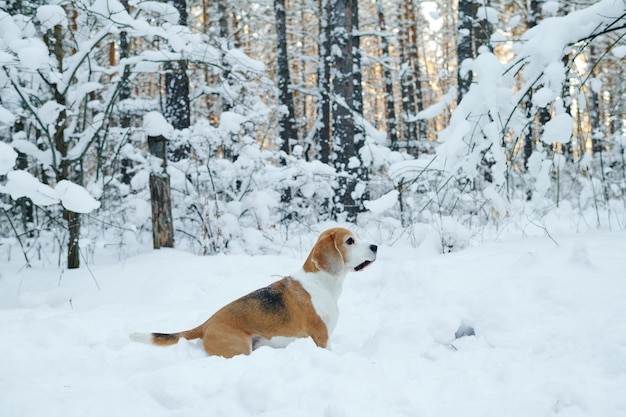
[(343, 104), (390, 111), (125, 119), (473, 33), (324, 66), (464, 49), (287, 118), (177, 105), (407, 75), (357, 79), (360, 172), (414, 57), (177, 95), (529, 137), (65, 168)]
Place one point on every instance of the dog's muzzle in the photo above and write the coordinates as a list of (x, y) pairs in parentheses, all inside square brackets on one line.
[(363, 265)]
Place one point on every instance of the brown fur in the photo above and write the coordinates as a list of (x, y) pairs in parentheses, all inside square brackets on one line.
[(230, 330), (329, 253)]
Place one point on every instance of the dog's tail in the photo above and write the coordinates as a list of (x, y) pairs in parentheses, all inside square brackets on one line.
[(166, 339)]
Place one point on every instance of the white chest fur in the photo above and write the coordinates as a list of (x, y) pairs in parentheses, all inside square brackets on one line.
[(324, 290)]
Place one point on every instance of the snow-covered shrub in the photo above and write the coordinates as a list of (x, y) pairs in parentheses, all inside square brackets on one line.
[(478, 175), (234, 196), (76, 95)]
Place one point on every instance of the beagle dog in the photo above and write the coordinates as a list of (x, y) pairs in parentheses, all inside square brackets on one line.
[(301, 305)]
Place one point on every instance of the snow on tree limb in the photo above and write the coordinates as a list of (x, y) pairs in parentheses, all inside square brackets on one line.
[(72, 196)]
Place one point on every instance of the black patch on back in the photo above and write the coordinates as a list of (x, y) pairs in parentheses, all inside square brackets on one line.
[(270, 301)]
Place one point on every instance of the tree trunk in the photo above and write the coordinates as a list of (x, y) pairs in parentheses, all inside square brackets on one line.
[(177, 111), (357, 101), (325, 58), (598, 134), (222, 18), (24, 203), (177, 106), (343, 104), (125, 83), (125, 118), (529, 137), (473, 33), (406, 75), (64, 169), (482, 29), (360, 172), (464, 47), (287, 119), (162, 227), (390, 111), (162, 222), (73, 248), (413, 23), (286, 123)]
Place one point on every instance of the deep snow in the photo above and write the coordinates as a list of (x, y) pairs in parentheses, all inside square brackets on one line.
[(549, 322)]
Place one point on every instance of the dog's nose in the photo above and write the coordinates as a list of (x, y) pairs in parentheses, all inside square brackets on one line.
[(373, 248)]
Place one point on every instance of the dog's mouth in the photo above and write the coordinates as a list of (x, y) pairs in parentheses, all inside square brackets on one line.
[(362, 266)]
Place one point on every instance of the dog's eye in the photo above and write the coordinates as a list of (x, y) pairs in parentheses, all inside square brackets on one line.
[(350, 241)]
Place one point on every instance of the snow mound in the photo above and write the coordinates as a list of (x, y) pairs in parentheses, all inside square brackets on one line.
[(383, 203)]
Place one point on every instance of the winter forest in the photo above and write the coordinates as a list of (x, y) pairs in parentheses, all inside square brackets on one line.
[(227, 126)]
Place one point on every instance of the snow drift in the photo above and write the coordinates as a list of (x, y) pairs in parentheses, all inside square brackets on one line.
[(517, 328)]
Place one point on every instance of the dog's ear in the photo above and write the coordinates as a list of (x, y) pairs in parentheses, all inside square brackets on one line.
[(326, 256)]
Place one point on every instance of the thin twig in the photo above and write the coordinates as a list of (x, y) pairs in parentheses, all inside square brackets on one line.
[(17, 236)]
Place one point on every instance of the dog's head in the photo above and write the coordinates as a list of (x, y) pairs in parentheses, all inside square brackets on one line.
[(338, 251)]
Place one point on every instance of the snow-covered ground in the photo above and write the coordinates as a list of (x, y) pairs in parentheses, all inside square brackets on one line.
[(549, 323)]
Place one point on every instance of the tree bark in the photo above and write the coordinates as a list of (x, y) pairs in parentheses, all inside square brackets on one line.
[(162, 222), (125, 83), (24, 203), (287, 118), (177, 105), (162, 227), (390, 111), (406, 75), (324, 125), (361, 172), (177, 110), (464, 46), (529, 137), (286, 123), (73, 249), (344, 148), (413, 24), (473, 33), (126, 164), (64, 169), (357, 80)]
